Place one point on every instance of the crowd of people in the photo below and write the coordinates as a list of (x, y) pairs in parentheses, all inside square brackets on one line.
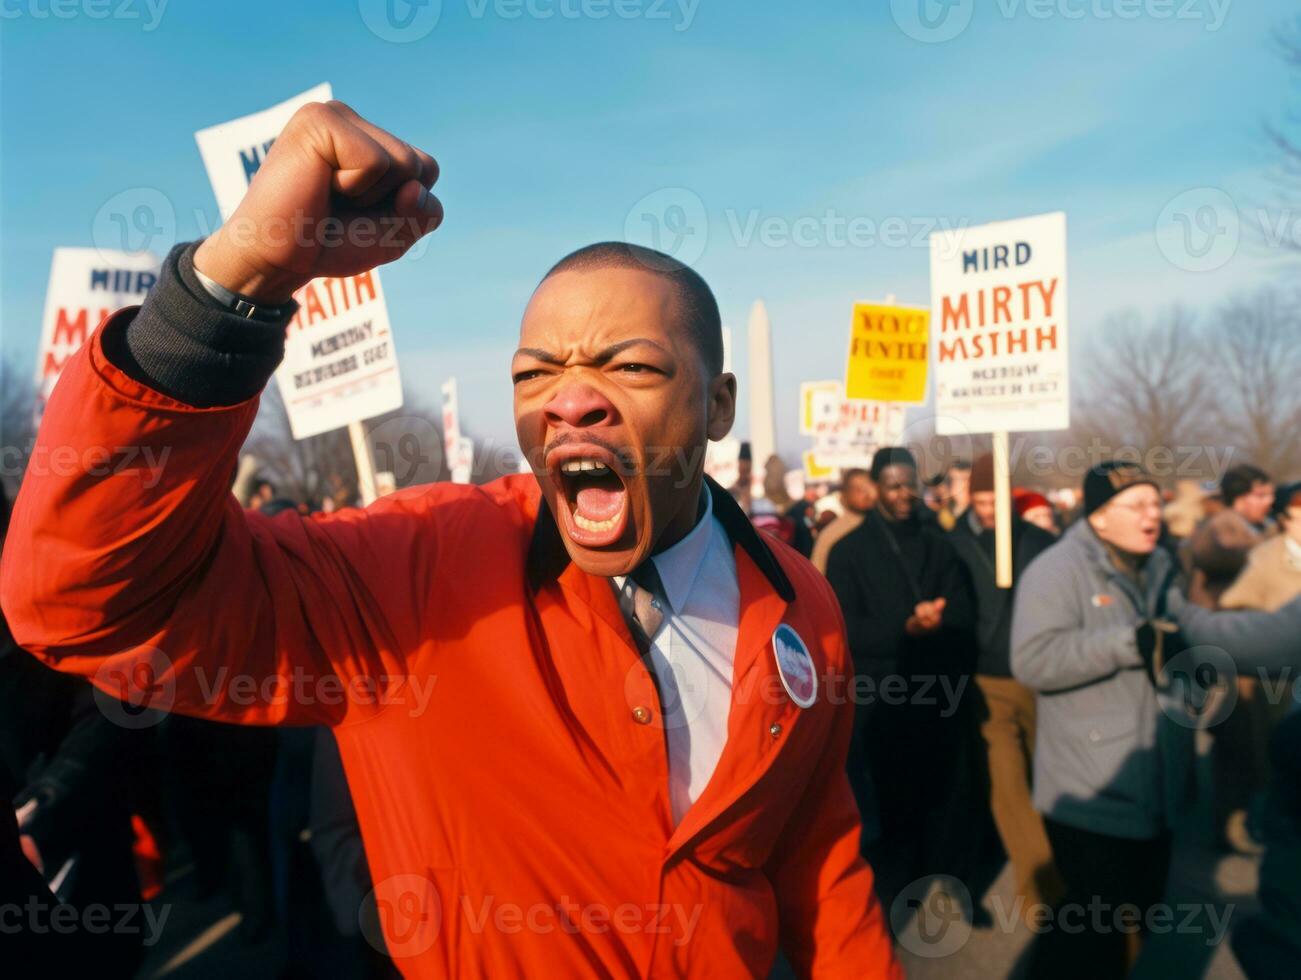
[(1084, 765), (977, 703), (564, 806)]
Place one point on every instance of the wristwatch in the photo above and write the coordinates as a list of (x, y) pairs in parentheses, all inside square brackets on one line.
[(241, 306)]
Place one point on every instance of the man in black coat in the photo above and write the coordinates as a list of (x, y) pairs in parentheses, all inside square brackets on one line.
[(1007, 715), (910, 617)]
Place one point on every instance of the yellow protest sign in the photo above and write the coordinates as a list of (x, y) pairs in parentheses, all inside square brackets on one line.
[(888, 348), (815, 471)]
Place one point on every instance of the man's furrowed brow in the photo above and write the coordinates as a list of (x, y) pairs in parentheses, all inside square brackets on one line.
[(547, 357), (542, 355), (613, 349)]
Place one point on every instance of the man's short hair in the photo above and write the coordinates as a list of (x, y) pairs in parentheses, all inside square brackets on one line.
[(958, 465), (261, 482), (854, 474), (891, 456), (1239, 480), (698, 303)]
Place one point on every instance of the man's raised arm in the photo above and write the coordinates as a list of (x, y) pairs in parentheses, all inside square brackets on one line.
[(127, 559)]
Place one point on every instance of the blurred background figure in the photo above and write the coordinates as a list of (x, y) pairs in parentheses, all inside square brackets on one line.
[(1007, 708), (1034, 508), (956, 496), (1215, 554), (1272, 576), (857, 496), (1187, 509)]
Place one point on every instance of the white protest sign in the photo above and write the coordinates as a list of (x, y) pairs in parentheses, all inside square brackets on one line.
[(86, 285), (846, 431), (998, 327), (340, 363)]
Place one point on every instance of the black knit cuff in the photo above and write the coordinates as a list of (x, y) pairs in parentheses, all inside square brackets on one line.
[(186, 345)]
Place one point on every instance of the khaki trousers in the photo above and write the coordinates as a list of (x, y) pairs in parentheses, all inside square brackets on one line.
[(1008, 731)]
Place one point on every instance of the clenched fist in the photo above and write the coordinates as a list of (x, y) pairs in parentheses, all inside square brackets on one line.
[(336, 196)]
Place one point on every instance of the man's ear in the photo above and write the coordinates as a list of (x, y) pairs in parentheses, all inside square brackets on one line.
[(722, 406), (1099, 520)]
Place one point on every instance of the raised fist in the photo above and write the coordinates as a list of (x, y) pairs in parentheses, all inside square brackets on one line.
[(336, 196)]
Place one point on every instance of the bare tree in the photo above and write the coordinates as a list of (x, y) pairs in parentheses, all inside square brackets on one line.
[(301, 469), (1258, 379), (1144, 384), (405, 442), (1284, 139)]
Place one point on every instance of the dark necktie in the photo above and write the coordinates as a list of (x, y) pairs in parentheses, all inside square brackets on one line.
[(642, 606)]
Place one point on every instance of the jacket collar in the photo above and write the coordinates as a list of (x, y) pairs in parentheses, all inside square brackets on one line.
[(548, 557), (1158, 571)]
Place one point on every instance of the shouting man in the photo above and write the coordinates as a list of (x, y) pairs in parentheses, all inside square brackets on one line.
[(574, 745)]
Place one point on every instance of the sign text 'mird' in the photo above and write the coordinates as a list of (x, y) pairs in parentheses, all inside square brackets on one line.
[(73, 326)]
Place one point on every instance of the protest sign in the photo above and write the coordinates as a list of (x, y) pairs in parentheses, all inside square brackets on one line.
[(86, 285), (458, 448), (846, 432), (340, 362), (887, 354), (999, 341), (816, 471)]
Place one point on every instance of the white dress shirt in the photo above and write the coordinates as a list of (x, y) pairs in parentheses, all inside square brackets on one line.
[(692, 653)]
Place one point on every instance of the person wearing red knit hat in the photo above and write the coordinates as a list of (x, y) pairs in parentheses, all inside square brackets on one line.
[(1035, 509)]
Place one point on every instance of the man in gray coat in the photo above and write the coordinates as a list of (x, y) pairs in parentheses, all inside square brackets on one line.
[(1113, 756)]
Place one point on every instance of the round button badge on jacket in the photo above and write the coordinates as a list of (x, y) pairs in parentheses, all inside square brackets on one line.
[(795, 666)]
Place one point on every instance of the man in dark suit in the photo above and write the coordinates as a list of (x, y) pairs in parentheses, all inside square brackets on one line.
[(910, 617)]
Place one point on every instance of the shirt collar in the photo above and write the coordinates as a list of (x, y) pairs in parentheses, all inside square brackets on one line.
[(548, 558), (678, 565)]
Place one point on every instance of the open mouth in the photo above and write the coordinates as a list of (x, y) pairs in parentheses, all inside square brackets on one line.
[(595, 500)]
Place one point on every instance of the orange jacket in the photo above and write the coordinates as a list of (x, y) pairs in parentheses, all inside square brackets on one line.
[(488, 700)]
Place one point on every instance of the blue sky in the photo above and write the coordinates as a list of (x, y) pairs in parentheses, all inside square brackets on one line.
[(556, 131)]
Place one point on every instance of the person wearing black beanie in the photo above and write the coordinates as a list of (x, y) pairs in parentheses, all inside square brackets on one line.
[(1114, 751)]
